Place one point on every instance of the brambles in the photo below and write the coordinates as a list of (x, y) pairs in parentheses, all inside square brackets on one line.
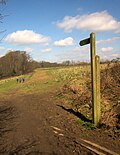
[(76, 91), (110, 93), (75, 88)]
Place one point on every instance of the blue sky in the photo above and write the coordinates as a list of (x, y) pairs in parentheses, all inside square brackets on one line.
[(50, 30)]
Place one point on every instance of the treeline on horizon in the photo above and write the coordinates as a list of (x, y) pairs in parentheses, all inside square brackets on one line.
[(16, 63), (19, 62)]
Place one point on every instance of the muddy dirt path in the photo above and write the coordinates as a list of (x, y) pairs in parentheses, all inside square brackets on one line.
[(42, 126)]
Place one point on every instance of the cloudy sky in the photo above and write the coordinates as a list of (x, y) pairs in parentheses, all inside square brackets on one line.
[(51, 30)]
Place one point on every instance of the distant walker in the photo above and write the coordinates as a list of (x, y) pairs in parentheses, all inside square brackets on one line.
[(20, 80)]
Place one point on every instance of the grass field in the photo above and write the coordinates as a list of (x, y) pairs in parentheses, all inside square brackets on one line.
[(72, 86), (42, 79)]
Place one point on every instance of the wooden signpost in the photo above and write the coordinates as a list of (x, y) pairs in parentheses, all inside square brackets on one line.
[(95, 78)]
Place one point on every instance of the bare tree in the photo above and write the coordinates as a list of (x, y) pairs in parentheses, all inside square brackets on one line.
[(3, 1), (16, 63)]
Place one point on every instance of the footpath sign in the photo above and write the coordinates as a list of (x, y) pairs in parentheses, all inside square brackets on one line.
[(95, 78)]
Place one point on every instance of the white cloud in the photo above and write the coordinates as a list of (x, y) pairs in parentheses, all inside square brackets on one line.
[(118, 31), (26, 37), (65, 42), (107, 49), (2, 48), (110, 40), (47, 50), (97, 22), (28, 50), (115, 55), (75, 54)]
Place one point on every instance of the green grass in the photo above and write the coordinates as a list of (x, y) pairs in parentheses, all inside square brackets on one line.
[(59, 76), (40, 87), (7, 85), (87, 125), (10, 84), (35, 86)]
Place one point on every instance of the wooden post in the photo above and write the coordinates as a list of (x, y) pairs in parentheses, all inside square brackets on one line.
[(95, 78), (98, 107)]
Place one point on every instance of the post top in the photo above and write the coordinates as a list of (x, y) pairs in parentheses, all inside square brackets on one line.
[(92, 34)]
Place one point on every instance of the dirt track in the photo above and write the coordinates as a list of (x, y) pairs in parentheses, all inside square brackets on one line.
[(39, 125)]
